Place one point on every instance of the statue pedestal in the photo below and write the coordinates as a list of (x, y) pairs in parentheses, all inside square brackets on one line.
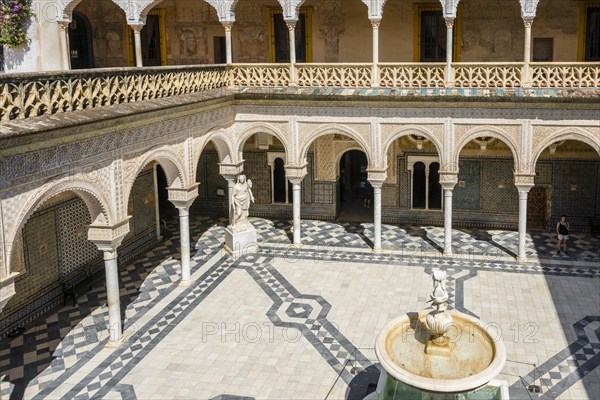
[(240, 240)]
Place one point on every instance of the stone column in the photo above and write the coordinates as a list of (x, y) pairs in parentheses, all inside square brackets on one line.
[(63, 28), (375, 70), (449, 52), (295, 174), (183, 199), (113, 298), (524, 183), (377, 215), (228, 51), (108, 239), (376, 178), (156, 203), (448, 180), (526, 78), (292, 34), (137, 39)]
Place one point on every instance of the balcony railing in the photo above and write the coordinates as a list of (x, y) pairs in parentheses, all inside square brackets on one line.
[(33, 94)]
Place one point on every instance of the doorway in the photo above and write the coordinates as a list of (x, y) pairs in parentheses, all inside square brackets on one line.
[(80, 42), (354, 188), (537, 206)]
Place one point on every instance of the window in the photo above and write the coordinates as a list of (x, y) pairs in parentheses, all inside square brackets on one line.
[(280, 41), (430, 35), (154, 50), (589, 32), (426, 189)]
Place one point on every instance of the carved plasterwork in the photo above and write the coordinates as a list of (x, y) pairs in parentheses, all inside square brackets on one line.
[(544, 136), (309, 132), (168, 157), (242, 131), (508, 134)]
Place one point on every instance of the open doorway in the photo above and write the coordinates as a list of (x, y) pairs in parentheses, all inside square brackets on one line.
[(355, 196)]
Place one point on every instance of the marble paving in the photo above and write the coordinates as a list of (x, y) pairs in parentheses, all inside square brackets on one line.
[(289, 323)]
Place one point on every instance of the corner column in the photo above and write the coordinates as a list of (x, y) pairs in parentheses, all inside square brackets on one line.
[(523, 182), (448, 180), (376, 178), (108, 239), (183, 199), (295, 174), (137, 39), (449, 51), (63, 28), (375, 69)]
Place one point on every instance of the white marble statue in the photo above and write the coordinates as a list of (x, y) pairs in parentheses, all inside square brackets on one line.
[(241, 199)]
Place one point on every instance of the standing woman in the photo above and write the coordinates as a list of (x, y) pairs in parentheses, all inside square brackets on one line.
[(562, 230)]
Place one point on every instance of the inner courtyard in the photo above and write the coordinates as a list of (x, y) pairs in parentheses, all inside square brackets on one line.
[(299, 323)]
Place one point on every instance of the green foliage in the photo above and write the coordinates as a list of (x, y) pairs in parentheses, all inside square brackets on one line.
[(14, 14)]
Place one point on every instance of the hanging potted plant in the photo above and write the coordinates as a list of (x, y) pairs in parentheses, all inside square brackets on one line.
[(14, 14)]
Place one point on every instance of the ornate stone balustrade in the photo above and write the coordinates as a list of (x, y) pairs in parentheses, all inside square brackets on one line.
[(260, 75), (566, 75), (411, 75), (488, 75), (33, 94), (334, 75)]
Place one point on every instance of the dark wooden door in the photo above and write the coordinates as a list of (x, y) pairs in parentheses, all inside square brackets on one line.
[(537, 203)]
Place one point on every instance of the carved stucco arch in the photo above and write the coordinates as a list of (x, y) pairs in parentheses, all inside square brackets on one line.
[(96, 202), (262, 127), (492, 131), (166, 158), (410, 130), (222, 142), (568, 133), (333, 130)]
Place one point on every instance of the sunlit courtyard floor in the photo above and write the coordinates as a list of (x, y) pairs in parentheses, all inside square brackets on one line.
[(289, 323)]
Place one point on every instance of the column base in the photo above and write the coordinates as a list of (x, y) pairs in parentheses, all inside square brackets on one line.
[(296, 245), (114, 344), (185, 283), (379, 250), (521, 259)]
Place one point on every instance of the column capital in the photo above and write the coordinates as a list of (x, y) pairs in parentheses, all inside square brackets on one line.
[(291, 24), (448, 179), (231, 171), (449, 22), (227, 25), (524, 182), (137, 27), (296, 172), (109, 237), (375, 23), (63, 24), (183, 198), (528, 22), (376, 176)]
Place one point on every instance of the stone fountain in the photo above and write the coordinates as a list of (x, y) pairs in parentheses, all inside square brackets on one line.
[(441, 354)]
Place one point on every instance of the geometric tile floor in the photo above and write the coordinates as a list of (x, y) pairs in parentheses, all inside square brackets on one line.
[(300, 323)]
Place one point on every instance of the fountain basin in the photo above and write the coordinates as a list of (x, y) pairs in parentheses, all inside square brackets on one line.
[(473, 359)]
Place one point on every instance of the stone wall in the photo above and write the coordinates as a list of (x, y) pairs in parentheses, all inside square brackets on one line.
[(55, 250)]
